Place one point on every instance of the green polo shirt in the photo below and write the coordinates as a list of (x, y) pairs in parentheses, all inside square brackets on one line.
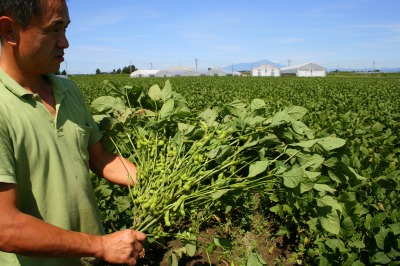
[(48, 159)]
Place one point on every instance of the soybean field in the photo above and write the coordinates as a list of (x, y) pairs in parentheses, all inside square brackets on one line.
[(254, 170)]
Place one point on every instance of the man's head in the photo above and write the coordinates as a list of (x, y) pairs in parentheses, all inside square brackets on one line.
[(33, 34)]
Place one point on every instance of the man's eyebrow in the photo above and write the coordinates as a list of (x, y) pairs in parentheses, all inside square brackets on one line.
[(61, 22)]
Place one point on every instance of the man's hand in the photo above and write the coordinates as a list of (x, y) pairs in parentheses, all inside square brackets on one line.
[(123, 247)]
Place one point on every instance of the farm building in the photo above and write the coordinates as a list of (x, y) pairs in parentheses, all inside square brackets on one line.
[(266, 70), (304, 70), (143, 73), (166, 73), (193, 73), (221, 72)]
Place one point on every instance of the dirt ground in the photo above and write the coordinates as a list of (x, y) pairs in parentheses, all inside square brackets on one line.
[(273, 252)]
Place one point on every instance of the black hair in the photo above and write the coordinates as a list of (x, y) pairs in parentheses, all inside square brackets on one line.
[(22, 11)]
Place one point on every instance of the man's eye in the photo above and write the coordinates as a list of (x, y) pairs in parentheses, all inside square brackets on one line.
[(60, 29)]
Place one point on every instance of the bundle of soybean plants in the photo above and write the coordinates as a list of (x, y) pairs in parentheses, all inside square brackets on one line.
[(195, 168)]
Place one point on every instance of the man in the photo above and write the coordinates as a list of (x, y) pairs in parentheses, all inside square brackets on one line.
[(48, 141)]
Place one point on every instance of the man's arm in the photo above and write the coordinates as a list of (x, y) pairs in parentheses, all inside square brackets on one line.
[(114, 168), (24, 234)]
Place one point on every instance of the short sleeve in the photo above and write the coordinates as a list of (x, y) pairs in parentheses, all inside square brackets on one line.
[(7, 162)]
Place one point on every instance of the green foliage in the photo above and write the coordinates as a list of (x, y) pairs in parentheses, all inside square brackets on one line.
[(332, 169)]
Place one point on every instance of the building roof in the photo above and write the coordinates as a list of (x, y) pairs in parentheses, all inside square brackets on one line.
[(305, 66), (143, 73), (222, 72), (265, 66), (168, 73)]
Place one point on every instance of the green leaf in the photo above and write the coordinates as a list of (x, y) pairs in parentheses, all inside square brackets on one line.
[(380, 257), (211, 248), (306, 144), (306, 186), (177, 140), (329, 220), (124, 115), (301, 129), (312, 175), (393, 254), (322, 261), (254, 121), (173, 260), (292, 178), (155, 93), (167, 109), (314, 161), (296, 112), (328, 201), (280, 118), (347, 227), (224, 243), (380, 237), (336, 244), (331, 162), (257, 168), (324, 188), (257, 104), (105, 122), (358, 244), (219, 193), (284, 231), (113, 90), (208, 116), (327, 214), (378, 219), (122, 203), (276, 209), (331, 143), (181, 110), (255, 259), (166, 92), (190, 249), (220, 153), (236, 108), (395, 228), (107, 104), (377, 127)]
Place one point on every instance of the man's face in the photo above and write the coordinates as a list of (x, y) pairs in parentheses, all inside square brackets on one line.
[(41, 45)]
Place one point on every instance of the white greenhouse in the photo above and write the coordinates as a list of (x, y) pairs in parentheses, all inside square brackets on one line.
[(266, 70), (304, 70), (143, 73), (194, 73), (221, 72), (167, 73)]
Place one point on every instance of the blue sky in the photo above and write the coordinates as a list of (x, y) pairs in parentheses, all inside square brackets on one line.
[(161, 34)]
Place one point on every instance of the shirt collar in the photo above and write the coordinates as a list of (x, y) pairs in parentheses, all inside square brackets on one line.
[(19, 91)]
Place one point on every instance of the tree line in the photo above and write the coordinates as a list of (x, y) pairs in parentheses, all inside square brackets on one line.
[(124, 70)]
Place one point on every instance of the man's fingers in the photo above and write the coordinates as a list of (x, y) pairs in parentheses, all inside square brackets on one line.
[(132, 262), (141, 237)]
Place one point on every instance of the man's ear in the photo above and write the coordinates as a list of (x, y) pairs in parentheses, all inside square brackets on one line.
[(8, 30)]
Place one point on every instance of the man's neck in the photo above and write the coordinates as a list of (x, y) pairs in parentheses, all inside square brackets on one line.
[(32, 82)]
